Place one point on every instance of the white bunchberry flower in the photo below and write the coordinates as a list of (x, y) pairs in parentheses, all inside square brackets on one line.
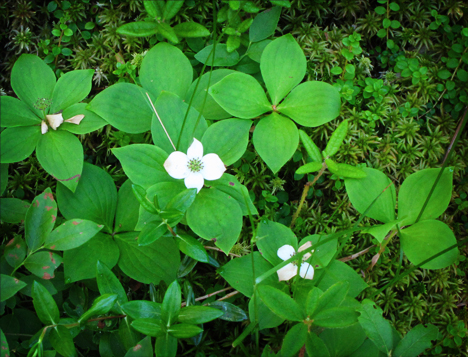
[(55, 120), (306, 270), (193, 167)]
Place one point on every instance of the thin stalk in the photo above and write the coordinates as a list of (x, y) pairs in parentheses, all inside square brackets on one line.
[(156, 112)]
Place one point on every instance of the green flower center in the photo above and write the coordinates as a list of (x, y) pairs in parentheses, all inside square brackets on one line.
[(195, 165), (42, 103)]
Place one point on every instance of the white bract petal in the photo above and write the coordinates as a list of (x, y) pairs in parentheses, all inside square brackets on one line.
[(213, 167), (307, 271), (55, 120), (286, 252), (287, 272), (44, 127), (194, 180), (75, 119), (195, 151), (304, 247), (176, 165)]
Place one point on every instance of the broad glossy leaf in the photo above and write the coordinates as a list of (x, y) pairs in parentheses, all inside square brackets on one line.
[(109, 284), (114, 106), (208, 107), (143, 164), (182, 201), (126, 215), (40, 219), (144, 348), (222, 58), (170, 307), (71, 88), (171, 110), (362, 192), (283, 67), (60, 153), (336, 317), (380, 231), (240, 95), (95, 198), (142, 309), (102, 305), (415, 190), (216, 216), (426, 238), (270, 237), (264, 24), (80, 263), (18, 143), (184, 330), (192, 247), (280, 303), (13, 210), (72, 234), (294, 340), (331, 298), (91, 121), (62, 341), (149, 326), (149, 264), (376, 327), (191, 29), (230, 311), (138, 28), (343, 341), (32, 80), (9, 286), (276, 139), (312, 103), (43, 264), (256, 50), (15, 251), (166, 68), (416, 341), (44, 304), (198, 314), (15, 113)]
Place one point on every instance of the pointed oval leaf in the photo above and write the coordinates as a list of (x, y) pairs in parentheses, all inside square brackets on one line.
[(40, 219), (15, 113), (149, 327), (336, 139), (170, 307), (276, 139), (184, 330), (109, 284), (312, 103), (376, 327), (13, 210), (151, 232), (283, 67), (294, 340), (71, 88), (142, 309), (271, 236), (43, 264), (222, 58), (348, 171), (312, 150), (9, 286), (308, 168), (72, 234), (416, 341), (191, 247), (62, 341), (280, 303), (91, 121), (198, 314), (139, 28), (168, 32), (45, 305), (143, 348), (126, 215), (191, 29), (336, 317), (230, 311), (18, 143), (240, 95), (331, 298), (102, 305), (264, 24), (15, 251)]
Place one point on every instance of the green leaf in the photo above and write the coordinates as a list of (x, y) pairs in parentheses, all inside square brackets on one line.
[(240, 95), (232, 43), (312, 150), (150, 327), (171, 9), (71, 88), (368, 348), (264, 24), (230, 311), (222, 58), (62, 341), (172, 110), (337, 317), (191, 247), (149, 264), (184, 330), (416, 341), (348, 171), (142, 309), (60, 153), (109, 284), (43, 264), (270, 237), (152, 232), (216, 216), (143, 163), (171, 304), (294, 340), (102, 305), (415, 190), (324, 253), (40, 219), (114, 106), (426, 238), (462, 75), (95, 199), (9, 286), (311, 103), (72, 234), (280, 303), (379, 232), (444, 74), (15, 113), (191, 29), (331, 298), (315, 346), (198, 314), (91, 121), (15, 251), (362, 192), (336, 139), (140, 194), (126, 215), (44, 304), (238, 273), (343, 341), (209, 108), (139, 28), (32, 80), (18, 143), (80, 263), (13, 210), (166, 346), (275, 139), (256, 50), (228, 139), (3, 180), (167, 31), (260, 313), (376, 327), (283, 67), (154, 8), (283, 3), (394, 6), (4, 348), (144, 348)]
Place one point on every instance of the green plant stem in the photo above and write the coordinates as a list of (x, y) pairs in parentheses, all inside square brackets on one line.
[(307, 186)]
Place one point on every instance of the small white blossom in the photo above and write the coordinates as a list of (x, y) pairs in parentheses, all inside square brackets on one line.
[(55, 120), (193, 167), (306, 270)]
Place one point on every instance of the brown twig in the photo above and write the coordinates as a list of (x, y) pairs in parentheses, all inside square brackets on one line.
[(455, 135), (228, 295), (356, 255), (207, 296), (219, 250)]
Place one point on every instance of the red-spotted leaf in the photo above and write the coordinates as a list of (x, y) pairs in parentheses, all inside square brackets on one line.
[(40, 219), (15, 251), (43, 264), (72, 234), (9, 286)]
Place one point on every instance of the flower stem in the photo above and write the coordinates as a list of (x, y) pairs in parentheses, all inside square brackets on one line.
[(154, 109)]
